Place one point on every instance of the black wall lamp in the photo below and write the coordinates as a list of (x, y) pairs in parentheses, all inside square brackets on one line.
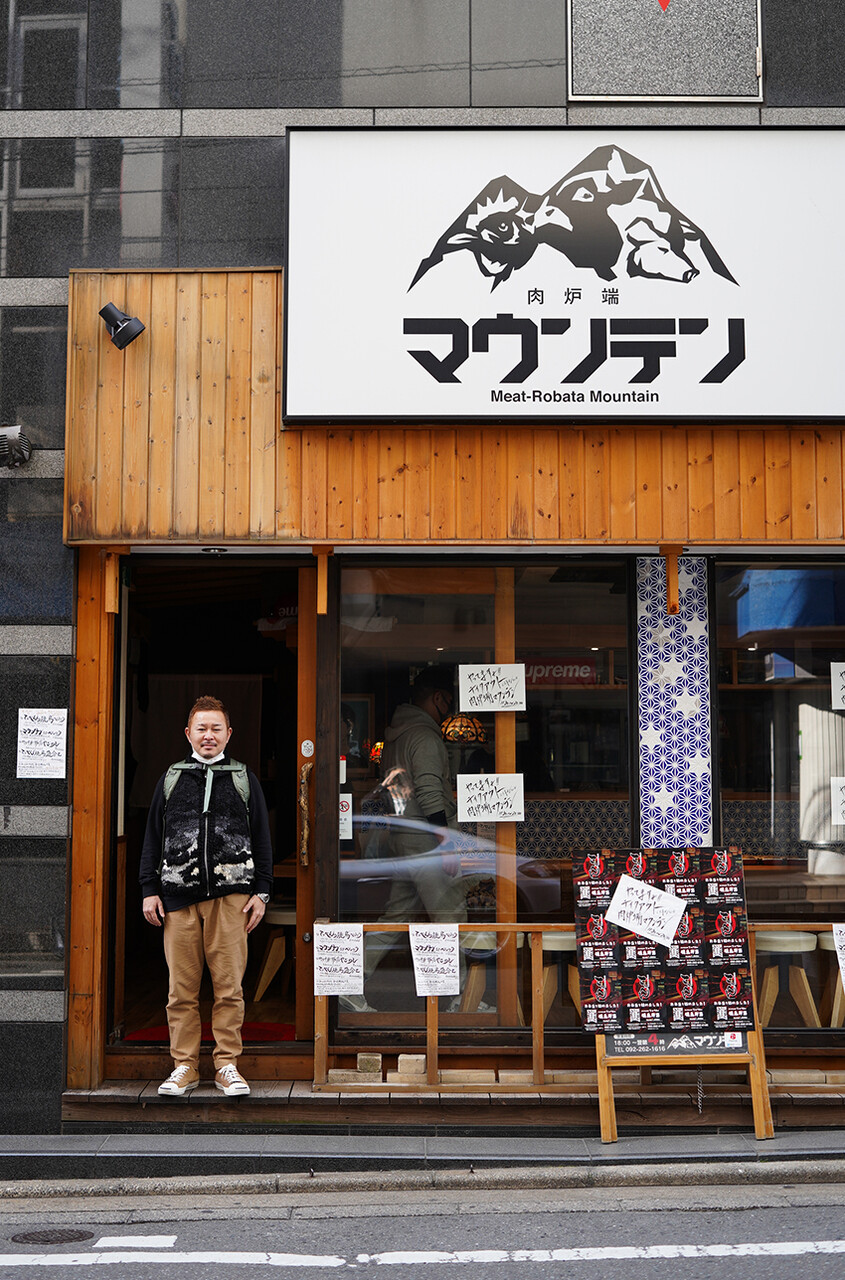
[(122, 328)]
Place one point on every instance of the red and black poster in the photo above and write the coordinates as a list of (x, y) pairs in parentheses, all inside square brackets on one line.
[(701, 981)]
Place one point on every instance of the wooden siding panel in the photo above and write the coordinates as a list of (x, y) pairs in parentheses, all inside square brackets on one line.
[(418, 485), (136, 414), (546, 506), (186, 450), (443, 484), (649, 486), (263, 425), (109, 418), (831, 523), (366, 463), (623, 502), (494, 478), (468, 445), (572, 487), (726, 486), (520, 488), (802, 484), (83, 367), (752, 491), (162, 414), (701, 482), (212, 424), (238, 404), (146, 461), (778, 514), (674, 488), (340, 483)]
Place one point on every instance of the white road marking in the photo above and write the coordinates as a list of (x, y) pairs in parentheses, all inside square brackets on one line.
[(606, 1253), (135, 1242)]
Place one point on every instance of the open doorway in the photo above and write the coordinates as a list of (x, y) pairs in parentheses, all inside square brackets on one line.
[(194, 625)]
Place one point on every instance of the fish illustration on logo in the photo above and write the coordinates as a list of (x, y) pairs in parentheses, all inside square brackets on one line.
[(608, 214)]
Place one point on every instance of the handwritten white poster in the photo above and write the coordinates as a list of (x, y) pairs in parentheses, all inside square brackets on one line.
[(42, 742), (434, 948), (839, 943), (645, 910), (495, 687), (338, 960), (837, 686), (837, 802), (345, 816), (490, 797)]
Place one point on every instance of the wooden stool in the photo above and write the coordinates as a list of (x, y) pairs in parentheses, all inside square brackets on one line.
[(275, 951), (781, 945), (478, 948), (834, 997), (559, 944)]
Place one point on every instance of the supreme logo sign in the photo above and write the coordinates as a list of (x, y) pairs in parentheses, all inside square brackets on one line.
[(548, 673)]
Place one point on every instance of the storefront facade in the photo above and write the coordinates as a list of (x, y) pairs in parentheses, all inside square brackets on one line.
[(307, 566)]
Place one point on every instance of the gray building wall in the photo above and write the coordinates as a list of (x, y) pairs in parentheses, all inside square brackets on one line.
[(152, 133)]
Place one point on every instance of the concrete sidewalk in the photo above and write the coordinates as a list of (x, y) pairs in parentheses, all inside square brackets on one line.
[(123, 1164)]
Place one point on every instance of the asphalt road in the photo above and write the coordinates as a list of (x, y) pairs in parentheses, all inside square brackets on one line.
[(723, 1230)]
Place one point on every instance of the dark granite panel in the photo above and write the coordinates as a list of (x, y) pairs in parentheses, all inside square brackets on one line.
[(32, 890), (804, 53), (232, 200), (43, 63), (36, 569), (129, 220), (29, 681), (32, 1080), (264, 54), (33, 358), (518, 53), (31, 849), (409, 53), (135, 54)]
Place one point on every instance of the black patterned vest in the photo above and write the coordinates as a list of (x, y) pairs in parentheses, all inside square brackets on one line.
[(206, 847)]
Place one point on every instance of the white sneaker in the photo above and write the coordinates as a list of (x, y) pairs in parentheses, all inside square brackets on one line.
[(181, 1080), (230, 1081), (355, 1004)]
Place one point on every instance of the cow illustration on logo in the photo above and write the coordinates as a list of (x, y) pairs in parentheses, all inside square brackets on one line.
[(608, 214)]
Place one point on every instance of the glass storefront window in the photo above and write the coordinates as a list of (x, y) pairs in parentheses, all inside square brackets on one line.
[(781, 751), (407, 856)]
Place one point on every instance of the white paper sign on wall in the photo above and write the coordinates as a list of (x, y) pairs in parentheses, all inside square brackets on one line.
[(837, 802), (645, 910), (837, 686), (490, 797), (338, 960), (345, 816), (42, 742), (435, 952), (492, 687)]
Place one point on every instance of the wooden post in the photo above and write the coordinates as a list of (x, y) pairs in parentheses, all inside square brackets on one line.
[(671, 553), (90, 847), (607, 1107), (432, 1068), (321, 1039)]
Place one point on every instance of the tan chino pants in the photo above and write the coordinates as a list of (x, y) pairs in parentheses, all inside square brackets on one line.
[(212, 933)]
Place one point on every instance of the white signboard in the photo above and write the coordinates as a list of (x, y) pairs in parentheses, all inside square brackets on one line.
[(434, 948), (493, 687), (837, 686), (645, 910), (564, 274), (345, 816), (42, 742), (490, 797), (338, 960)]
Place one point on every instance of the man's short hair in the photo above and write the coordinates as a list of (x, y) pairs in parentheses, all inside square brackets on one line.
[(434, 679), (206, 703)]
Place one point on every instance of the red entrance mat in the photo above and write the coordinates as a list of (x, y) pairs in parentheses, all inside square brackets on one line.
[(252, 1031)]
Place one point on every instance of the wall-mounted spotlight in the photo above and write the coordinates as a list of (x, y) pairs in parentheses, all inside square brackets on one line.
[(122, 328)]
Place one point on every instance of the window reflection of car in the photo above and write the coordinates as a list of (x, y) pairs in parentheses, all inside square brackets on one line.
[(378, 860)]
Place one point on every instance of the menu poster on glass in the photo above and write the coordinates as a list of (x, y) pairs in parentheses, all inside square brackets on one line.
[(493, 687), (701, 979)]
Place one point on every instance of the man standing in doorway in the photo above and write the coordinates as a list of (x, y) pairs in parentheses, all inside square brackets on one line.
[(415, 753), (206, 875)]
